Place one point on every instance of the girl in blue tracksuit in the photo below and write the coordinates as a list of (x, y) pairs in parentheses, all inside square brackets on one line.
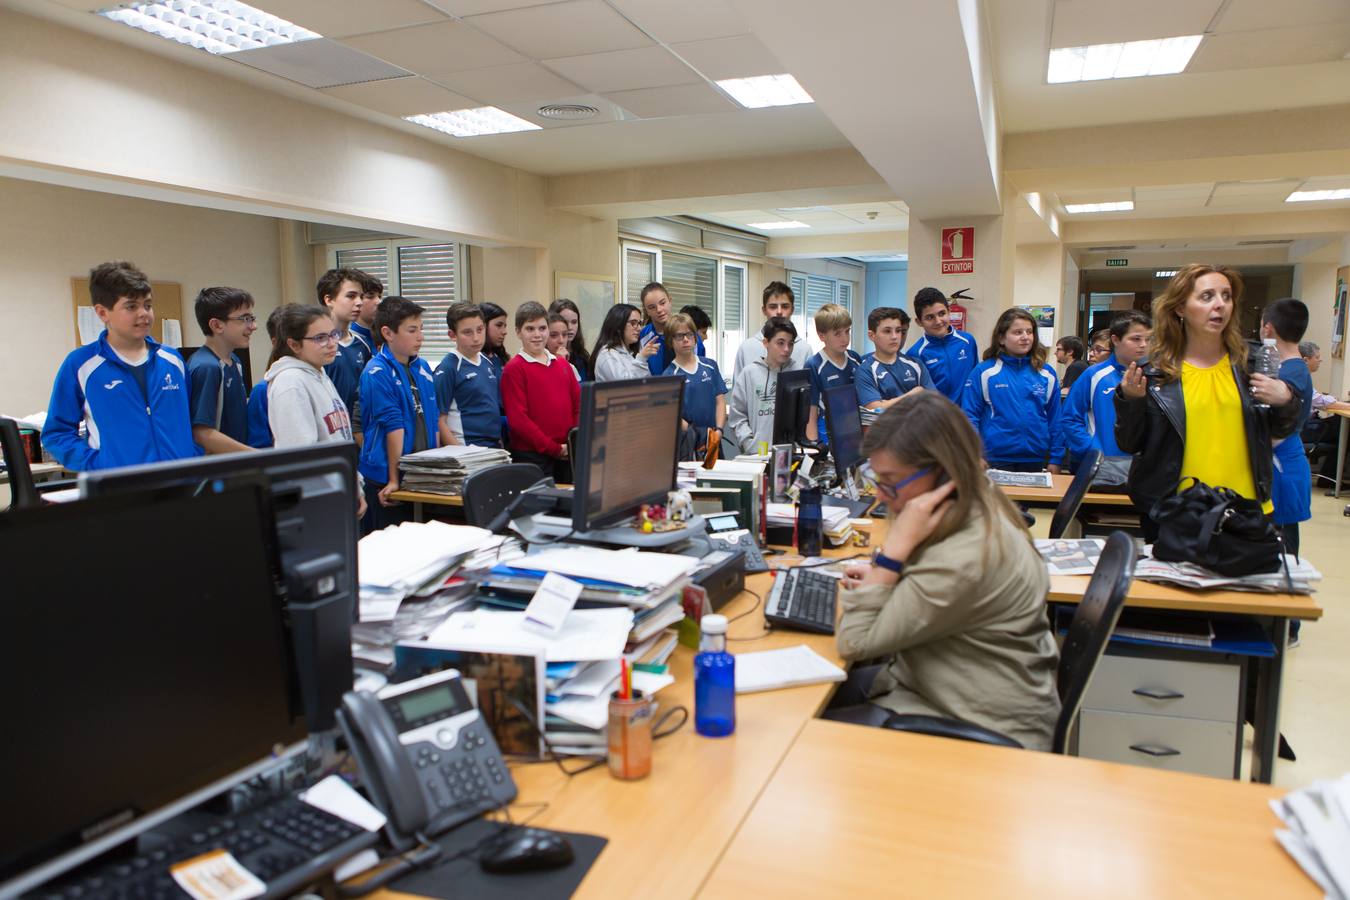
[(1012, 399)]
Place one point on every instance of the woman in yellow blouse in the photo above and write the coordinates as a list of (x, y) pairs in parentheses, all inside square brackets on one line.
[(1193, 411)]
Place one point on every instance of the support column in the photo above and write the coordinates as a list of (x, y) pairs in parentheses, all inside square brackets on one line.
[(990, 284)]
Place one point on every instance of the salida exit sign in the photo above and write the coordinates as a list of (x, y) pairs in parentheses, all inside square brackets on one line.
[(1111, 263)]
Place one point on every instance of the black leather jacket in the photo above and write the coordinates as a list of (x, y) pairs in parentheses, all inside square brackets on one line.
[(1153, 429)]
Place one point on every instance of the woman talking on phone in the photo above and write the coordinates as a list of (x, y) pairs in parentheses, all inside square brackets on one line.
[(1192, 411), (955, 598)]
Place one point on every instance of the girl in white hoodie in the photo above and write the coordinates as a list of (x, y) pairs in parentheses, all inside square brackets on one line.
[(303, 406)]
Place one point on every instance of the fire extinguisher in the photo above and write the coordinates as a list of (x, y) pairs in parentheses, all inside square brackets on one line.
[(956, 313)]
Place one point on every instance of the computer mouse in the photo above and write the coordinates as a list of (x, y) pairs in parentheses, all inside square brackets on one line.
[(527, 850)]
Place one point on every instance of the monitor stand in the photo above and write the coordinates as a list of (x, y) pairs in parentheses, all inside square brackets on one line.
[(550, 528)]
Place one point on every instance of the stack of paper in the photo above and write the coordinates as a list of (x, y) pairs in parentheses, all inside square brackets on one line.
[(401, 560), (769, 670), (1317, 833), (639, 579), (1020, 479), (1302, 576), (834, 519), (443, 470)]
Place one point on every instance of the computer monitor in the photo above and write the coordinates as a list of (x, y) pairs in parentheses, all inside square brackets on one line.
[(792, 406), (626, 448), (147, 668), (844, 423), (313, 512)]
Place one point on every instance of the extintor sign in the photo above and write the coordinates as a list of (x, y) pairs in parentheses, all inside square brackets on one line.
[(958, 251)]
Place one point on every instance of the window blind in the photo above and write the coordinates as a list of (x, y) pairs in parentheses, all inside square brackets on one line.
[(371, 260), (733, 290), (691, 280), (640, 270), (428, 276)]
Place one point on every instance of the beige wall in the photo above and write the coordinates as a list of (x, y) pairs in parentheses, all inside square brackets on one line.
[(991, 282), (1038, 278), (49, 234)]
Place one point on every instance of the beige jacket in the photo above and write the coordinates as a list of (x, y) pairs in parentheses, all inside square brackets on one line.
[(964, 637)]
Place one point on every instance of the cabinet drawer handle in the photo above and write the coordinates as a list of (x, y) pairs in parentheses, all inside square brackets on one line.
[(1155, 750), (1158, 693)]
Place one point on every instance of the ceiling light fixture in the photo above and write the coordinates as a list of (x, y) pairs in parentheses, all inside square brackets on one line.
[(216, 26), (1074, 209), (1134, 59), (474, 122), (777, 226), (1164, 273), (1305, 196), (765, 90)]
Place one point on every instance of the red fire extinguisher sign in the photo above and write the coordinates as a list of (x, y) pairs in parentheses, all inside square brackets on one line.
[(958, 251)]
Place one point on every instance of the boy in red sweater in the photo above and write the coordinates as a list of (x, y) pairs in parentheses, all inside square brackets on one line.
[(541, 397)]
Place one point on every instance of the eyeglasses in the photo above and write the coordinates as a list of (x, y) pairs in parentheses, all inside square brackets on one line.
[(324, 339), (684, 336), (247, 319), (869, 476)]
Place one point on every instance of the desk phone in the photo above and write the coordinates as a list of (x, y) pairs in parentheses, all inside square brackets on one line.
[(725, 528), (426, 755)]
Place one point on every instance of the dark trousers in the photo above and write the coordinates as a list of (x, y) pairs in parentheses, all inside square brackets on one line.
[(378, 516), (560, 470), (850, 703)]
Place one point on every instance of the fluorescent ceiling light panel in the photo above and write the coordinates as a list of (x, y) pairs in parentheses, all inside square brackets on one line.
[(216, 26), (474, 122), (1135, 59), (765, 90), (1304, 196), (1074, 209), (777, 226)]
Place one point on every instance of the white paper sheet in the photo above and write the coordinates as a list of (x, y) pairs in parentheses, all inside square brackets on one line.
[(632, 567), (769, 670), (337, 797), (588, 634)]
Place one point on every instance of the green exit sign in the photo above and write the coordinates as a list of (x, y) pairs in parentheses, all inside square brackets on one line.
[(1117, 262)]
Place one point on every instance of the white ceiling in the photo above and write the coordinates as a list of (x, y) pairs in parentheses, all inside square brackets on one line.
[(1205, 198), (847, 218)]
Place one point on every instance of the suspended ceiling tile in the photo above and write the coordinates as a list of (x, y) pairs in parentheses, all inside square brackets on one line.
[(574, 28), (463, 8), (1277, 189), (1079, 23), (1252, 15), (1201, 190), (677, 100), (515, 83), (608, 112), (733, 57), (1272, 47), (318, 63), (625, 70), (340, 18), (435, 49), (687, 20), (402, 96)]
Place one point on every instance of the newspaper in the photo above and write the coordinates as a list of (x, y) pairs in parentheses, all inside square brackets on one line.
[(1021, 479), (1079, 557), (1317, 832)]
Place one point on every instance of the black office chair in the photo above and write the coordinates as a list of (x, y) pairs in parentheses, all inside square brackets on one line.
[(1089, 632), (23, 493), (487, 492), (1067, 510)]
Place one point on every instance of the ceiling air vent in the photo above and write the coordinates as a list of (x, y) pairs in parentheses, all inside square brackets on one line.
[(568, 111), (1112, 248)]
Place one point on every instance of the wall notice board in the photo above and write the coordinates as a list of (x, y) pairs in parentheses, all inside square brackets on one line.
[(168, 304)]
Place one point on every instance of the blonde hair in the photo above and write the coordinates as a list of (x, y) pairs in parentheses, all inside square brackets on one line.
[(1168, 345), (927, 429), (679, 322), (832, 317)]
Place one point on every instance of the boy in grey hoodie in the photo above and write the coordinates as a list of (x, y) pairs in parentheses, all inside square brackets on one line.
[(750, 414)]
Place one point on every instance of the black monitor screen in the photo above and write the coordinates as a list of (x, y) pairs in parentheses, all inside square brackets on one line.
[(146, 660), (626, 451), (844, 422), (792, 404)]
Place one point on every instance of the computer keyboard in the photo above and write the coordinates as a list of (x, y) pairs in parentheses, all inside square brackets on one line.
[(287, 844), (802, 599)]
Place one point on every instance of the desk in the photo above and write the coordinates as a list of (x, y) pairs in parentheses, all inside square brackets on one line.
[(1273, 611), (1340, 448), (852, 809), (419, 498), (41, 472), (1051, 496)]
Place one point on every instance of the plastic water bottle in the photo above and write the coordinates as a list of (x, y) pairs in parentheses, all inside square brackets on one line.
[(714, 680), (1268, 362)]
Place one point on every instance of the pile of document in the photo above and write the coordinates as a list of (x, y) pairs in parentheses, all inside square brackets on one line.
[(868, 416), (443, 470), (1317, 833), (1079, 557), (834, 520), (1021, 479), (401, 560)]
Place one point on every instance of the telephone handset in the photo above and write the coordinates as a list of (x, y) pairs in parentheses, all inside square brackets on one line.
[(425, 754)]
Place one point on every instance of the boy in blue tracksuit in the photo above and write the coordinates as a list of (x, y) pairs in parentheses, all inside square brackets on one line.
[(398, 394), (259, 429), (886, 374), (341, 292), (468, 386), (948, 354), (217, 395), (1285, 322), (705, 404), (1088, 416), (1012, 399), (372, 289), (833, 366), (130, 392)]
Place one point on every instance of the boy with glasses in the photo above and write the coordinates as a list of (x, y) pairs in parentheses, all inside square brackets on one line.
[(217, 396), (705, 404), (750, 418)]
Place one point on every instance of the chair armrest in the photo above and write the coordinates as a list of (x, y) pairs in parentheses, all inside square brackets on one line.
[(949, 728)]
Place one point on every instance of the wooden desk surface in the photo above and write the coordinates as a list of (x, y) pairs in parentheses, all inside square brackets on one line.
[(852, 808), (1069, 589), (40, 471), (1051, 496), (426, 497)]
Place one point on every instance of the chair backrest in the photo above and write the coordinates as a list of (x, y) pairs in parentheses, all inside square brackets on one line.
[(22, 491), (1073, 497), (487, 492), (1091, 628)]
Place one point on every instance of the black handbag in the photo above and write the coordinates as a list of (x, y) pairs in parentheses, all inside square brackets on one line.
[(1216, 528), (1112, 476)]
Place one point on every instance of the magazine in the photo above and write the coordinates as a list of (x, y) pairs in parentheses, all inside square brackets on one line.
[(1070, 557)]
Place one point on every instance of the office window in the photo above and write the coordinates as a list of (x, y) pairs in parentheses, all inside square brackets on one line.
[(639, 270), (714, 285), (371, 260), (812, 292), (731, 333)]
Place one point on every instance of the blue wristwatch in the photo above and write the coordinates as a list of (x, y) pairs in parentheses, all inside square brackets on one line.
[(893, 565)]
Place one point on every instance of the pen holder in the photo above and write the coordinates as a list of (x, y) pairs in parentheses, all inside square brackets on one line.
[(630, 736)]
